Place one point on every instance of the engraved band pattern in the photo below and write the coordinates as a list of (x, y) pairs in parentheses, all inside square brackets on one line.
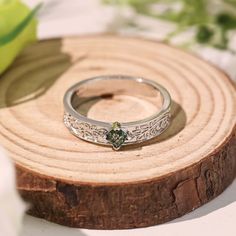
[(136, 134)]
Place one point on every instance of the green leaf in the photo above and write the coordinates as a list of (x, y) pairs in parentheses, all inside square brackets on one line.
[(226, 21), (204, 34), (17, 30), (212, 27)]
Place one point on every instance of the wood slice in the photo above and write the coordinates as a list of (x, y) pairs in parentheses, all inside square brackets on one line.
[(79, 184)]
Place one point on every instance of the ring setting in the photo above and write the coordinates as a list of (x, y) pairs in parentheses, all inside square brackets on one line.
[(116, 136)]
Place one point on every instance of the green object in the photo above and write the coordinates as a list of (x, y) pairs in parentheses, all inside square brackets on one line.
[(204, 34), (17, 29), (116, 136), (226, 21), (212, 27)]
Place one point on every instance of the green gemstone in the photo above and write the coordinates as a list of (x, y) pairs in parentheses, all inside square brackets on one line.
[(116, 136)]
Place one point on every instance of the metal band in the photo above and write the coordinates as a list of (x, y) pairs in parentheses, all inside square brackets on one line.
[(116, 134)]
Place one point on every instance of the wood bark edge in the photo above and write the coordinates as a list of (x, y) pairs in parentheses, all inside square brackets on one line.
[(131, 205)]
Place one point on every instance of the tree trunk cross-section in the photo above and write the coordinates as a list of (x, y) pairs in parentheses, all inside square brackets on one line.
[(79, 184)]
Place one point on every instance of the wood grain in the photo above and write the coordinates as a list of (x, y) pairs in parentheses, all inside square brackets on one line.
[(79, 184)]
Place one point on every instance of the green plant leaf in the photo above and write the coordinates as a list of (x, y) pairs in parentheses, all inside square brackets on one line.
[(212, 27), (17, 30), (204, 34)]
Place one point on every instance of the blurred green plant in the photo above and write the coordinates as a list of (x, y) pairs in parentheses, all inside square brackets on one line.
[(17, 29), (213, 19)]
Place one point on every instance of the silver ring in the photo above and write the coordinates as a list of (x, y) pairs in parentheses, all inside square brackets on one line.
[(116, 134)]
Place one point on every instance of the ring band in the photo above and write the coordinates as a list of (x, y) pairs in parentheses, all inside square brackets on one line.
[(116, 134)]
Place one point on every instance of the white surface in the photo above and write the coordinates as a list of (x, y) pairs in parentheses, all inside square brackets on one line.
[(10, 218), (63, 17)]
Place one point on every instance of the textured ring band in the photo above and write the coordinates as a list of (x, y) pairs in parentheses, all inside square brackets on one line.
[(116, 134)]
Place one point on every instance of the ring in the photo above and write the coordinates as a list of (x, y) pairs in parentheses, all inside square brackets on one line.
[(116, 134)]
